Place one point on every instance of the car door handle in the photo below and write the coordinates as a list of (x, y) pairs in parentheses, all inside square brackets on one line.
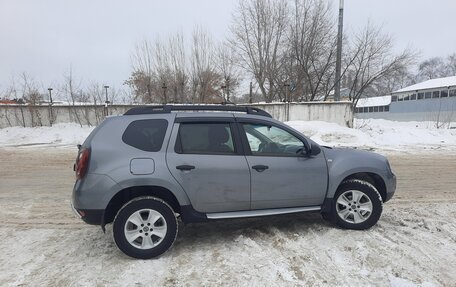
[(260, 167), (185, 167)]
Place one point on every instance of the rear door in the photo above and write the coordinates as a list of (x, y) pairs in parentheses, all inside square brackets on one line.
[(206, 158), (281, 176)]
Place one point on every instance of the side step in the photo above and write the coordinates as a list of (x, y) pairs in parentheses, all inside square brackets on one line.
[(262, 212)]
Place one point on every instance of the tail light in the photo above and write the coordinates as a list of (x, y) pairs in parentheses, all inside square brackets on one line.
[(82, 162)]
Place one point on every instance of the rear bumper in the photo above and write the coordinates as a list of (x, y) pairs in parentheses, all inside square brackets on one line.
[(89, 216)]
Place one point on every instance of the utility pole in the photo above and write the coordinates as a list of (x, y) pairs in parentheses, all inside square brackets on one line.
[(224, 94), (164, 87), (227, 90), (287, 100), (339, 51), (106, 101), (250, 93), (50, 106)]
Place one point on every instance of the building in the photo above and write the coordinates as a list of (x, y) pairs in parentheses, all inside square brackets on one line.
[(432, 100)]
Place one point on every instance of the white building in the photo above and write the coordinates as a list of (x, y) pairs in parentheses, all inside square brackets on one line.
[(432, 100)]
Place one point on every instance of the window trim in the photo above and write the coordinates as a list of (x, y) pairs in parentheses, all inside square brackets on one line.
[(238, 148), (245, 142), (146, 120)]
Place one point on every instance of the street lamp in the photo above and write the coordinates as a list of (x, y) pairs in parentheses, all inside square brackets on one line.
[(50, 106), (106, 101), (164, 87)]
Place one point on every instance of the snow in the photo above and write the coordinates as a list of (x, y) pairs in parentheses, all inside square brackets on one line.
[(413, 244), (374, 101), (67, 134), (379, 134), (370, 134), (430, 84)]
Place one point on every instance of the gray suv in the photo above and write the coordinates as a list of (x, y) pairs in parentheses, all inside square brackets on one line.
[(147, 168)]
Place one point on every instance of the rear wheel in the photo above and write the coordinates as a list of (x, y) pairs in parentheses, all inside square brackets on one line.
[(357, 205), (145, 227)]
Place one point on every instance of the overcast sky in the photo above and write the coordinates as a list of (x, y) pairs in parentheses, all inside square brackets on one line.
[(44, 38)]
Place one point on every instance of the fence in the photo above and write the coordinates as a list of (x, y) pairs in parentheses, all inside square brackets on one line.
[(334, 112), (92, 115)]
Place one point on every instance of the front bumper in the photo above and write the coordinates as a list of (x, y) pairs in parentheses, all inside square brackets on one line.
[(391, 187)]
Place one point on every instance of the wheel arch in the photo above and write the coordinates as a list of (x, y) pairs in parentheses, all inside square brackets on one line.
[(125, 195), (370, 177)]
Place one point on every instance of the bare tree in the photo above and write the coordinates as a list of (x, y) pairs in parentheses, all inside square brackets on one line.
[(32, 96), (258, 35), (177, 58), (451, 64), (226, 66), (371, 58), (159, 70), (140, 80), (400, 78), (70, 90), (432, 68), (205, 80), (312, 37), (10, 93)]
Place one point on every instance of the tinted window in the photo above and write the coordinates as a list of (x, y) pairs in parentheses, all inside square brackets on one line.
[(427, 95), (444, 93), (146, 135), (271, 140), (420, 96), (435, 94), (387, 108), (452, 93), (394, 98), (205, 138), (413, 97)]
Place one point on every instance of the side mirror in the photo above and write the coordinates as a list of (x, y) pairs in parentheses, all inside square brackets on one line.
[(313, 150)]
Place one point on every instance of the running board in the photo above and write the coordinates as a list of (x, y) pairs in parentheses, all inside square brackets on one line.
[(262, 212)]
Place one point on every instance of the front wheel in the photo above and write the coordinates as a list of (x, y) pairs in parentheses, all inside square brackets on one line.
[(357, 205), (145, 227)]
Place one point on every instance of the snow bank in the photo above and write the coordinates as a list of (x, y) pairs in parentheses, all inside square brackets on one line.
[(67, 134), (379, 134), (368, 134)]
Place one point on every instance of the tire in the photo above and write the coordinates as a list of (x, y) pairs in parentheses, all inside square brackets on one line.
[(145, 227), (356, 205)]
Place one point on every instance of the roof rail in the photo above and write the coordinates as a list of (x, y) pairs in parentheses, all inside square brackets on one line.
[(166, 109)]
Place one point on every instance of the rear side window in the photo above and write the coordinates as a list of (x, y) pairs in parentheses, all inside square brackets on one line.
[(205, 138), (146, 135)]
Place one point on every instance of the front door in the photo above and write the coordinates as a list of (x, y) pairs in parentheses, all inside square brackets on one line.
[(205, 158), (281, 176)]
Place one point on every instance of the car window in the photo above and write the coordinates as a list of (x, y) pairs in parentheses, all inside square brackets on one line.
[(146, 135), (271, 140), (205, 138)]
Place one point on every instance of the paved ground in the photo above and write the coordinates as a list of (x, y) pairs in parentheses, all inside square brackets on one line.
[(42, 243)]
